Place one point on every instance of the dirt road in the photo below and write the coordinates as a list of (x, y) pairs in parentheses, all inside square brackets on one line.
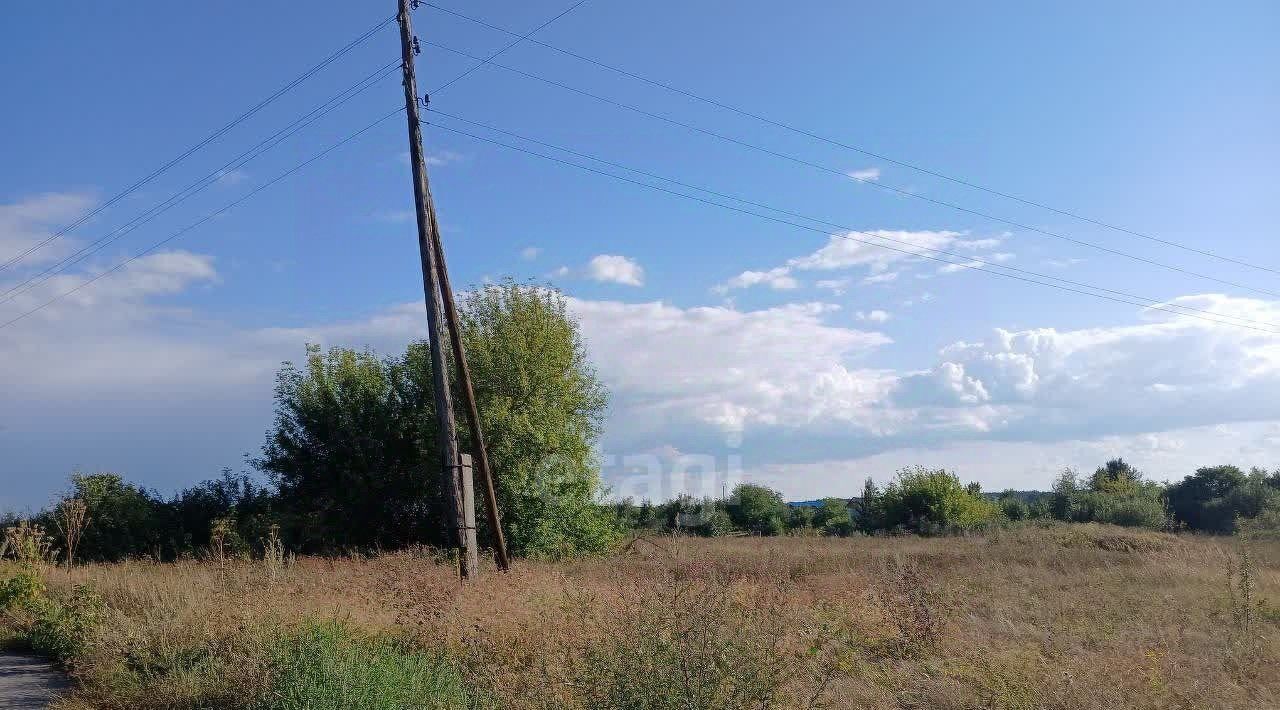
[(27, 682)]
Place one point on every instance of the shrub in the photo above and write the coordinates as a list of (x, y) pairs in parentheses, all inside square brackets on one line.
[(832, 517), (934, 501), (758, 509), (715, 522), (327, 667), (64, 630), (61, 630), (1013, 507), (1143, 509)]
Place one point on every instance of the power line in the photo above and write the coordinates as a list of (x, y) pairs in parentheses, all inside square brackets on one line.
[(209, 139), (865, 151), (968, 258), (518, 39), (1125, 299), (350, 137), (876, 184), (204, 182)]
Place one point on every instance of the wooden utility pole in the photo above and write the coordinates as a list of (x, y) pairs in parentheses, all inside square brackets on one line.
[(472, 411), (451, 474)]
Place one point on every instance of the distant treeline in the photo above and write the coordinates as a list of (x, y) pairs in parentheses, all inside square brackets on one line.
[(129, 521), (1216, 499)]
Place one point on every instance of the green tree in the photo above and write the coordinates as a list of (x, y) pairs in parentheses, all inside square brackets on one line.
[(1013, 507), (800, 517), (354, 448), (758, 509), (1216, 498), (869, 515), (832, 517), (1066, 491), (934, 501), (1115, 476), (126, 519)]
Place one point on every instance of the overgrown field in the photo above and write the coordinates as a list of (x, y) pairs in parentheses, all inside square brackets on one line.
[(1059, 616)]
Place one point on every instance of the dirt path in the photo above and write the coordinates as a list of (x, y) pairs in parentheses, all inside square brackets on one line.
[(28, 683)]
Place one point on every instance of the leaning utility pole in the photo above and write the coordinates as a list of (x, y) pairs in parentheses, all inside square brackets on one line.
[(425, 212)]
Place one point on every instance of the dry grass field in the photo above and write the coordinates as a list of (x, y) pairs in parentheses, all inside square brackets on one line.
[(1040, 617)]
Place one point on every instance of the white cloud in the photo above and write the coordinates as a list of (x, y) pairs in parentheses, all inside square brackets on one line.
[(977, 244), (559, 272), (955, 267), (865, 174), (836, 286), (1172, 369), (779, 279), (530, 253), (723, 369), (611, 268), (32, 220), (881, 278), (123, 361), (853, 249), (1062, 263)]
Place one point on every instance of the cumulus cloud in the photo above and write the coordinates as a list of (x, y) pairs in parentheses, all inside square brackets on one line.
[(779, 279), (728, 369), (1172, 369), (611, 268), (123, 366)]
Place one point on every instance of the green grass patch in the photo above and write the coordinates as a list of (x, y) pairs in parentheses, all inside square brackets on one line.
[(326, 666)]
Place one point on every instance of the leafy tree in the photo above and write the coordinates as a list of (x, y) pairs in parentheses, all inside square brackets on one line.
[(832, 517), (354, 448), (126, 519), (869, 513), (542, 406), (1013, 507), (758, 509), (1116, 494), (800, 517), (348, 453), (932, 501), (1115, 476), (1066, 490), (1215, 498)]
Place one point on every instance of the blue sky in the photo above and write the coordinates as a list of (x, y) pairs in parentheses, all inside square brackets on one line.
[(842, 362)]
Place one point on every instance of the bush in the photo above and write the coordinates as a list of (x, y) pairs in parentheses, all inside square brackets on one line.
[(933, 501), (758, 509), (832, 517), (327, 667), (61, 630), (64, 630)]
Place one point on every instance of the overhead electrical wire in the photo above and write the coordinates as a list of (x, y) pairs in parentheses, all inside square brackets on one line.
[(206, 141), (350, 137), (968, 258), (518, 39), (1129, 299), (859, 149), (876, 184), (201, 184), (261, 147)]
